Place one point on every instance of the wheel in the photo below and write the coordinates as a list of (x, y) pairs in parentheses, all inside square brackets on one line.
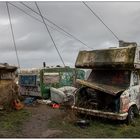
[(132, 114)]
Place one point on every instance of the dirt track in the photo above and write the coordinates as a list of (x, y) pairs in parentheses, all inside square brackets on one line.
[(44, 122), (37, 125)]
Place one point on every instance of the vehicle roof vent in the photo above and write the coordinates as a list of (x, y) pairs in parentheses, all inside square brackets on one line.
[(126, 44)]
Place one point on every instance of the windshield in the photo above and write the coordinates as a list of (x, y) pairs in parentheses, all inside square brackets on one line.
[(118, 78)]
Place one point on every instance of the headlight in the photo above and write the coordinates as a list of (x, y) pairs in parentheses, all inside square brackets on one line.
[(124, 102)]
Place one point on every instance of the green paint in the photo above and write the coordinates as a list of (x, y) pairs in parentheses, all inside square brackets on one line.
[(67, 77)]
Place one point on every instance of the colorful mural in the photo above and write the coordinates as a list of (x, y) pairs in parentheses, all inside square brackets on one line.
[(27, 80), (38, 84)]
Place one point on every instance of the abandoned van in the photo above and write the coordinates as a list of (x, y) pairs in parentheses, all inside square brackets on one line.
[(112, 90), (37, 82)]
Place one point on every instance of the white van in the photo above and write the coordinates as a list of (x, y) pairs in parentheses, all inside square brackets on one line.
[(112, 90)]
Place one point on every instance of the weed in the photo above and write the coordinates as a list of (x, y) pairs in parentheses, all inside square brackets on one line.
[(99, 128), (11, 122)]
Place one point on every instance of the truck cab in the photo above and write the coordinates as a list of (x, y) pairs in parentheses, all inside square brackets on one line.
[(112, 89)]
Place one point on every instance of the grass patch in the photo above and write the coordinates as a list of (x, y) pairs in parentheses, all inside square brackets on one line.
[(99, 128), (11, 122)]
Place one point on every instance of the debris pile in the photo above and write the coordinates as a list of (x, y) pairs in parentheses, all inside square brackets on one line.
[(59, 96), (29, 100)]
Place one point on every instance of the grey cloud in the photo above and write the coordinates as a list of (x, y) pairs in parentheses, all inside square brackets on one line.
[(34, 44)]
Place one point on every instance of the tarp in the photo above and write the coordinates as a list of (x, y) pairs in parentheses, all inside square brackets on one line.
[(62, 94)]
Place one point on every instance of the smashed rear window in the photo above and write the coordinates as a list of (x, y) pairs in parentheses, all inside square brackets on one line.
[(119, 78)]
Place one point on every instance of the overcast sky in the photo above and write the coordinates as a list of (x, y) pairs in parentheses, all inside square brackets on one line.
[(35, 46)]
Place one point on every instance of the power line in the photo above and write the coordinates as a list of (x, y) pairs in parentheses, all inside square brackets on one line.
[(13, 34), (35, 18), (50, 34), (56, 25), (101, 20)]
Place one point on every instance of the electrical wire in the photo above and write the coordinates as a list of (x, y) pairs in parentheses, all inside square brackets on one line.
[(50, 34), (101, 20), (36, 18), (56, 25), (15, 47)]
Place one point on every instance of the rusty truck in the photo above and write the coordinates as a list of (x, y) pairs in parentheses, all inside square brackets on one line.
[(112, 89)]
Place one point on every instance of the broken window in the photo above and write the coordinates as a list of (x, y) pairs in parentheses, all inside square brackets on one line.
[(50, 78), (135, 78), (119, 78), (27, 80)]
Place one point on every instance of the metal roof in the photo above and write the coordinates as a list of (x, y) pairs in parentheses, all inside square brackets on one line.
[(5, 66)]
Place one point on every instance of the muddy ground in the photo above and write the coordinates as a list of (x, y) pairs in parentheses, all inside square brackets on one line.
[(37, 126), (42, 121)]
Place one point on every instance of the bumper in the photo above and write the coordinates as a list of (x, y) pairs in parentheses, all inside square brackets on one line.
[(110, 115)]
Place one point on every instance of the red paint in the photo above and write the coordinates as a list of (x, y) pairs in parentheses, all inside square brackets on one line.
[(118, 78), (55, 105)]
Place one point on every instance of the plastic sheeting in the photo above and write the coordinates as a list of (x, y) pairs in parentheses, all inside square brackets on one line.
[(63, 94)]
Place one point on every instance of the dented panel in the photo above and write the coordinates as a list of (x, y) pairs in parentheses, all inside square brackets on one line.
[(101, 87), (108, 58), (99, 113)]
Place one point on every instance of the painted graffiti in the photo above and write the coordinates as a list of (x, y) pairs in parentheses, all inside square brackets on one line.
[(49, 79), (29, 90), (27, 80)]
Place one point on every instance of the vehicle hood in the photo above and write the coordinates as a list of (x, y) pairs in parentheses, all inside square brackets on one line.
[(113, 90)]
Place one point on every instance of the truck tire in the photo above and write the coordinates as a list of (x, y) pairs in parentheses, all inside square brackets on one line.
[(132, 114)]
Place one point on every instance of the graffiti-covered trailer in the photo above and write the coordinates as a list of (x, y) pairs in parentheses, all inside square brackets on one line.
[(59, 77), (29, 82), (113, 88), (38, 83)]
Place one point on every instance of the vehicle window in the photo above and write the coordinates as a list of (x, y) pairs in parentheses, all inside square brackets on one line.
[(119, 78), (50, 78), (135, 78), (27, 80)]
